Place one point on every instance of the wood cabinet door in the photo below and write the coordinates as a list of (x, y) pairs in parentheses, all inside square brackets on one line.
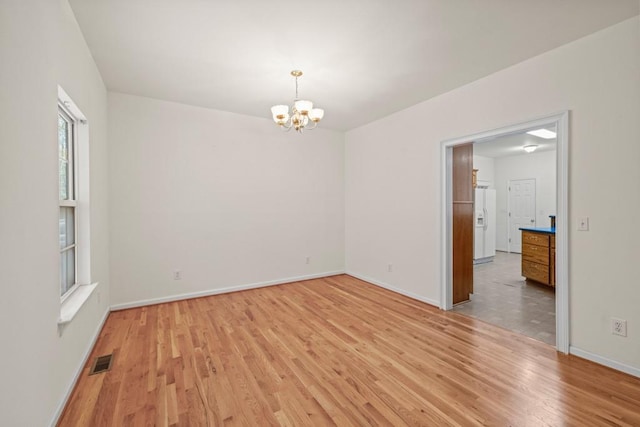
[(462, 222)]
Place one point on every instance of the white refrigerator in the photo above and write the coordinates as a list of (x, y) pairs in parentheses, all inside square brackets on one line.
[(485, 226)]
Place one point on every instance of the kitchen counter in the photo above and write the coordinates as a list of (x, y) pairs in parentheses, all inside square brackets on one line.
[(547, 230), (539, 254)]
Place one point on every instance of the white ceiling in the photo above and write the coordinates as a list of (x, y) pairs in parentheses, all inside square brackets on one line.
[(511, 145), (363, 59)]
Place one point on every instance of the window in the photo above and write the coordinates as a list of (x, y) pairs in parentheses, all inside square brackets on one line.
[(74, 226), (68, 201)]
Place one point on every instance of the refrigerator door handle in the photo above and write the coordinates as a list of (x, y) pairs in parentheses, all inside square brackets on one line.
[(486, 218)]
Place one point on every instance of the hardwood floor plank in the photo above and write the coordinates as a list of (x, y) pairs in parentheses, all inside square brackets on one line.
[(335, 351)]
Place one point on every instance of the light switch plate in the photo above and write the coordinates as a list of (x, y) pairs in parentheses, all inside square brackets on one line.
[(583, 224)]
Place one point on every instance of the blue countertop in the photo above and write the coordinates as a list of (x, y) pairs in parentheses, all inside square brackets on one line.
[(547, 230)]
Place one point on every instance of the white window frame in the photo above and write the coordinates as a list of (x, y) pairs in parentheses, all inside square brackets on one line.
[(84, 287), (72, 191)]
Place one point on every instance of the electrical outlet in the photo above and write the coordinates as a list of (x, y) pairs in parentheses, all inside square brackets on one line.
[(177, 275), (619, 327), (307, 260), (390, 268), (583, 224)]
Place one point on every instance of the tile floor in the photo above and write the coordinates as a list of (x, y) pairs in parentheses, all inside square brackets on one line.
[(504, 298)]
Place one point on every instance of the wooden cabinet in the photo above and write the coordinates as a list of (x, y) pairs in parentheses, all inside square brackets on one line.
[(462, 229), (538, 256)]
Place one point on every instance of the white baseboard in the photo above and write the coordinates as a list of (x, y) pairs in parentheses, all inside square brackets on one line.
[(605, 361), (178, 297), (85, 357), (394, 289)]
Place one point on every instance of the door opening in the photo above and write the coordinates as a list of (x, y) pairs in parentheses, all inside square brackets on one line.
[(560, 270)]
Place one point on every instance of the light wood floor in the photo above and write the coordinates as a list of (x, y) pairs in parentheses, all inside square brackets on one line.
[(336, 351)]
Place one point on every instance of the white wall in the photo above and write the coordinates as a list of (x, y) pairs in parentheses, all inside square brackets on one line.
[(539, 166), (251, 201), (393, 179), (486, 170), (230, 200), (41, 47)]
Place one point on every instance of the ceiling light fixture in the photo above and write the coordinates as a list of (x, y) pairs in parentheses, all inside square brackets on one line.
[(543, 133), (530, 148), (301, 113)]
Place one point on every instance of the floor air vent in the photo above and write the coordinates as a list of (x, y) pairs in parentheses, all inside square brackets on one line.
[(101, 364)]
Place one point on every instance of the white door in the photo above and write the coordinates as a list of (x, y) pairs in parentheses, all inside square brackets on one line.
[(522, 210)]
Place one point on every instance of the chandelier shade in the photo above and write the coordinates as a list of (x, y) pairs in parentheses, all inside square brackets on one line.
[(302, 112), (280, 114), (303, 106), (316, 114)]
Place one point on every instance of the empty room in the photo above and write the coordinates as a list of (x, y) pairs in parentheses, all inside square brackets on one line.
[(250, 213)]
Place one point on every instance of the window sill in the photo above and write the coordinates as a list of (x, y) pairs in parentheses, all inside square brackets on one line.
[(72, 305)]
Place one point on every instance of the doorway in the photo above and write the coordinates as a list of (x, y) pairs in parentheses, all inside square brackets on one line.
[(560, 122), (507, 292)]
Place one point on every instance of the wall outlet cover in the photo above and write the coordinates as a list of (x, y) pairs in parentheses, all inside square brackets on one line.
[(619, 327), (583, 224)]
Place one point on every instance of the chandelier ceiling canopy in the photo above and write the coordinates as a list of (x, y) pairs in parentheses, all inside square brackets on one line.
[(303, 115)]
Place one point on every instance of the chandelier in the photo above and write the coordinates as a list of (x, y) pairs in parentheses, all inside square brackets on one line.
[(303, 115)]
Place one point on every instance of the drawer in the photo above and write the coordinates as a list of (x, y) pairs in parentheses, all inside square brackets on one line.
[(553, 241), (539, 239), (552, 277), (535, 253), (535, 271)]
